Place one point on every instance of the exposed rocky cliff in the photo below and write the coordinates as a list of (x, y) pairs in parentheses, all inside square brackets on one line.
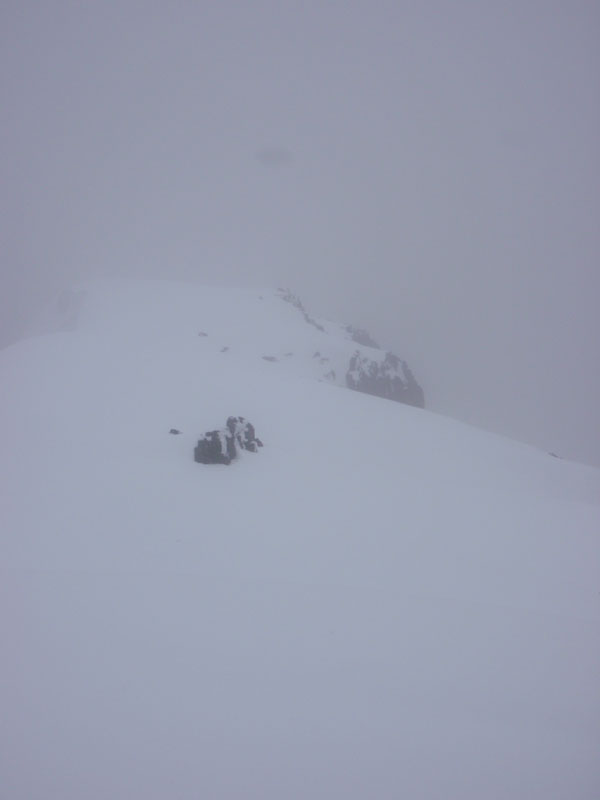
[(390, 378), (363, 367)]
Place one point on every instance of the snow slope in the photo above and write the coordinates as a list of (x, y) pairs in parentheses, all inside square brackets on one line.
[(381, 603), (282, 332)]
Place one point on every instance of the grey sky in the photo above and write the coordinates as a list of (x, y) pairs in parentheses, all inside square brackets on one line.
[(427, 169)]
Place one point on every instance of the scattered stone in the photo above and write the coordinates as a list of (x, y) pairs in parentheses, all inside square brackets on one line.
[(224, 349), (270, 358), (174, 431), (201, 333)]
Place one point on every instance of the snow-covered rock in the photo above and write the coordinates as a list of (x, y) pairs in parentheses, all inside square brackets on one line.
[(223, 446), (367, 368), (387, 377)]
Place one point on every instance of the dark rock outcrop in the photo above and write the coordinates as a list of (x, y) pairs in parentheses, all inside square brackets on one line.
[(372, 371), (215, 447), (243, 434), (389, 378), (221, 446), (286, 295), (361, 336)]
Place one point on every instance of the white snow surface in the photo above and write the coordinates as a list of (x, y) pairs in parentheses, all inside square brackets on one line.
[(380, 603)]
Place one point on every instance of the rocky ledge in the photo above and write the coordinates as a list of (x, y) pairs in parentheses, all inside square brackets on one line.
[(389, 377)]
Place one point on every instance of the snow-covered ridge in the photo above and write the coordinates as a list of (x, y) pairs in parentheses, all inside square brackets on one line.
[(382, 603), (271, 325)]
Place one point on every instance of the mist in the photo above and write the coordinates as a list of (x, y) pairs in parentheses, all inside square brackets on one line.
[(429, 171)]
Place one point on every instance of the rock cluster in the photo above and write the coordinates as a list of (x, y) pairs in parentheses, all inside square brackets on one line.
[(366, 368), (361, 336), (390, 378), (286, 295), (222, 446)]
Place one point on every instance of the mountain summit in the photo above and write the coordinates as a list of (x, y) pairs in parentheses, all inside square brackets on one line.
[(381, 603)]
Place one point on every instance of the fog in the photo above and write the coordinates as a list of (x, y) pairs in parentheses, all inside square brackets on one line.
[(427, 170)]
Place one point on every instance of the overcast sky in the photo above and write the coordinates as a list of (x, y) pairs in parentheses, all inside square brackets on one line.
[(427, 169)]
